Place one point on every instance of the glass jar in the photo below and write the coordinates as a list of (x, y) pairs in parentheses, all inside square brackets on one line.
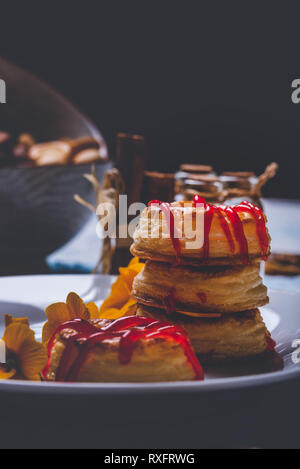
[(189, 172), (207, 186), (239, 186)]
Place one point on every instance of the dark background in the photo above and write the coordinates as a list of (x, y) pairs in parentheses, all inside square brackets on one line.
[(204, 81)]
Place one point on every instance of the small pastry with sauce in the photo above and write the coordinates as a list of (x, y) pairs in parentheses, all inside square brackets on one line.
[(229, 235), (229, 337), (129, 349), (198, 291)]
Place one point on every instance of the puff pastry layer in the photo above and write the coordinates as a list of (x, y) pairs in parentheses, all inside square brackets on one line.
[(195, 290), (152, 238), (229, 337)]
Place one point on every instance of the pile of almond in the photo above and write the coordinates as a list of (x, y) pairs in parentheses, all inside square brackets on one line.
[(26, 152)]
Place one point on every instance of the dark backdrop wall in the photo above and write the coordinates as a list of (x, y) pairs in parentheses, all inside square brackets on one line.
[(204, 81)]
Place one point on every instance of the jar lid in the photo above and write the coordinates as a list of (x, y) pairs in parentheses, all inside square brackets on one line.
[(239, 174), (203, 178), (196, 168), (202, 185)]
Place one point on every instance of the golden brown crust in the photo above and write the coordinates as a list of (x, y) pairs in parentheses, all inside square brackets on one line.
[(152, 360), (192, 261), (152, 237), (229, 337), (185, 308), (206, 290)]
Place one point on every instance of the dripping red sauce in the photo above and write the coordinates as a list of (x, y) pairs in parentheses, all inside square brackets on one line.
[(197, 199), (261, 230), (129, 330), (208, 216), (238, 230), (224, 214), (225, 227), (165, 208), (169, 301), (271, 344), (80, 326), (202, 296)]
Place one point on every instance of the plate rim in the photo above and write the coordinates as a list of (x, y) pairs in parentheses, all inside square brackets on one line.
[(211, 385)]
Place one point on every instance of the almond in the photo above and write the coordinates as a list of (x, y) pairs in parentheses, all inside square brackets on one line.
[(83, 143), (50, 153), (86, 156)]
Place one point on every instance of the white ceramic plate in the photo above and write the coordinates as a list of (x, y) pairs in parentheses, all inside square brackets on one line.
[(29, 295)]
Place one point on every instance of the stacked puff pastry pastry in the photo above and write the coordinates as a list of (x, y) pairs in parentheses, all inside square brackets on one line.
[(212, 291)]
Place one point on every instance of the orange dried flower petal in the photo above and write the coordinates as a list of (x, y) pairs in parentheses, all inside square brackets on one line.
[(120, 303)]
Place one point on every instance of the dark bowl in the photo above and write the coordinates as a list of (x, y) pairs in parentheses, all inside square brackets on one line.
[(38, 212)]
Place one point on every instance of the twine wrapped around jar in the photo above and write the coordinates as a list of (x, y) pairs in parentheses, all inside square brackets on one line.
[(112, 186)]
